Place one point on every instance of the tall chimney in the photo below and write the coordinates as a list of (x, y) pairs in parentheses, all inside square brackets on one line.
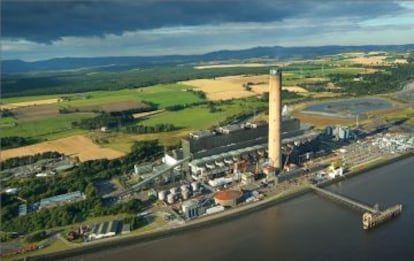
[(275, 85)]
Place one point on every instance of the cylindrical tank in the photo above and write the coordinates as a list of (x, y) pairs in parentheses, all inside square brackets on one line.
[(161, 195), (185, 193), (170, 198), (194, 186), (173, 191)]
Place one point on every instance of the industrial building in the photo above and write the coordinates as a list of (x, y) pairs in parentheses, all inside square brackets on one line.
[(106, 229), (190, 208), (61, 199), (219, 157), (51, 202), (238, 148), (338, 132), (233, 137)]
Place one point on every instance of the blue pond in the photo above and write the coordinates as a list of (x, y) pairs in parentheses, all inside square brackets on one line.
[(352, 106)]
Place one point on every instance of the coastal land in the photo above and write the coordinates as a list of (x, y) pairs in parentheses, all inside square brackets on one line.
[(210, 220)]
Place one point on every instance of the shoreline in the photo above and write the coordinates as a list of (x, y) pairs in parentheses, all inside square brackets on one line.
[(206, 221)]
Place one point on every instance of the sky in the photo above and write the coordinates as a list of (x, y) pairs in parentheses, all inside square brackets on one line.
[(38, 29)]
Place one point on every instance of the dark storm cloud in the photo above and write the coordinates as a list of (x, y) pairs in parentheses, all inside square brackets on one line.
[(44, 21)]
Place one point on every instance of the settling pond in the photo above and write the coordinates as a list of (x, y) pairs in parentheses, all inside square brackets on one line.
[(351, 107)]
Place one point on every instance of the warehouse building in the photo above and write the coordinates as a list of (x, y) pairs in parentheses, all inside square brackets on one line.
[(51, 202), (106, 229), (61, 199)]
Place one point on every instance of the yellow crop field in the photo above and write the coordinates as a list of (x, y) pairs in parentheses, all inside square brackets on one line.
[(232, 65), (400, 61), (77, 146), (29, 103), (370, 60), (231, 87)]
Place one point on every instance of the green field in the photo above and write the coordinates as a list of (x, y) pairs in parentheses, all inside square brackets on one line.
[(58, 126), (200, 117), (7, 121), (163, 95), (52, 127)]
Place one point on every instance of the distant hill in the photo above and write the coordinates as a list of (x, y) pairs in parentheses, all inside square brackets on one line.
[(276, 52)]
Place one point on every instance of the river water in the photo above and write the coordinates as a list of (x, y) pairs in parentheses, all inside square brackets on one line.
[(305, 228)]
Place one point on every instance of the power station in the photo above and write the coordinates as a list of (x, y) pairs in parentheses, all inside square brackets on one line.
[(235, 152), (234, 148)]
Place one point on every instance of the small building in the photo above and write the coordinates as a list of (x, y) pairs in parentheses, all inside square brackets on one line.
[(334, 173), (201, 134), (220, 181), (214, 209), (22, 210), (229, 128), (143, 169), (65, 167), (11, 191), (247, 178)]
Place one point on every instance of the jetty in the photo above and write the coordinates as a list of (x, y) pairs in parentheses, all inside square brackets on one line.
[(372, 216)]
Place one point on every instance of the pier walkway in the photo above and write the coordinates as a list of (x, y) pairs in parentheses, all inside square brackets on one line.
[(344, 200)]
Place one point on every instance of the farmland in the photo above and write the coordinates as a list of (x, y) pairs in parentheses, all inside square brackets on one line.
[(76, 146), (41, 121), (233, 87), (233, 65), (29, 103), (45, 128), (327, 77)]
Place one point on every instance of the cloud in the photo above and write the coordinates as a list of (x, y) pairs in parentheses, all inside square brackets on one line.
[(46, 21), (36, 30)]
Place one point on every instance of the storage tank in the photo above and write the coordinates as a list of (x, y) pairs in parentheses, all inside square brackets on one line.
[(170, 199), (194, 186), (161, 195), (227, 198)]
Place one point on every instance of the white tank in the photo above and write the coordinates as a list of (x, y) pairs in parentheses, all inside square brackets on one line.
[(185, 193), (161, 195), (194, 186), (173, 191), (170, 199)]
